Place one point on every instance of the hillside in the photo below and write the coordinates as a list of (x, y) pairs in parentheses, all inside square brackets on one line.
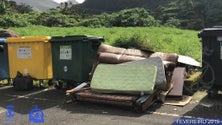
[(41, 5), (100, 6)]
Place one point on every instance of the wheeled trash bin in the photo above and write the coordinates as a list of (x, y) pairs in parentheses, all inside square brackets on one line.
[(211, 59), (4, 65), (73, 57), (30, 55)]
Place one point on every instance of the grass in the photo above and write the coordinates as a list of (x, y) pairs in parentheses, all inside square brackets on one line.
[(163, 39)]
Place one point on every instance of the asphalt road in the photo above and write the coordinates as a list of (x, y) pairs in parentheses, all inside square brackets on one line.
[(56, 112)]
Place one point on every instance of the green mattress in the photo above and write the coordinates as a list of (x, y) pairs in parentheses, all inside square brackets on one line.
[(156, 61), (132, 79)]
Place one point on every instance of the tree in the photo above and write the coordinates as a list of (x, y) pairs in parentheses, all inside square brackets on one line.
[(23, 8), (55, 18), (133, 17), (3, 6), (189, 14), (10, 6), (67, 8)]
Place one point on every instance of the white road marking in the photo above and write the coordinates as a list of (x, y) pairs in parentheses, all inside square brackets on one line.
[(25, 96), (168, 114), (2, 110), (5, 87)]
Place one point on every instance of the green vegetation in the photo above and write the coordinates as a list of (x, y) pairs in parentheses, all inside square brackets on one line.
[(185, 14), (164, 39), (10, 6), (142, 28), (188, 14), (59, 18)]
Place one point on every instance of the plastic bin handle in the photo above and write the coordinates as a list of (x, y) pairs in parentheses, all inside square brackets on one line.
[(1, 48)]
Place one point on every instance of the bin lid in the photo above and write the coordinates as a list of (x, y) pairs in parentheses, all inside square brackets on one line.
[(76, 38), (215, 31), (28, 39), (2, 40)]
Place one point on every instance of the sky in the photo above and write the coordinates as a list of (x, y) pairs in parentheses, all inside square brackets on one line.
[(59, 1)]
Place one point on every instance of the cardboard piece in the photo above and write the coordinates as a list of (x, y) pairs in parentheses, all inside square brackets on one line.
[(185, 100), (188, 61)]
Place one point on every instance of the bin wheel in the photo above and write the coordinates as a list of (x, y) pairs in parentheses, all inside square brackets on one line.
[(212, 93), (41, 83), (57, 84), (10, 81), (50, 83)]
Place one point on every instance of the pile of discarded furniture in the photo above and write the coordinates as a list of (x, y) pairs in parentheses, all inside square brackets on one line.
[(135, 78)]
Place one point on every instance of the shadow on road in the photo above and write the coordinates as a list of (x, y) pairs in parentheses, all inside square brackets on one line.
[(24, 101), (207, 108)]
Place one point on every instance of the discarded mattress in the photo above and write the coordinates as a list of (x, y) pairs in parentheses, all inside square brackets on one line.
[(156, 61), (172, 57), (87, 95), (169, 66), (132, 79), (140, 103), (8, 33), (111, 58), (117, 50)]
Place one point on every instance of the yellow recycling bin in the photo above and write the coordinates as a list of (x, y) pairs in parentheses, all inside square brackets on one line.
[(30, 55)]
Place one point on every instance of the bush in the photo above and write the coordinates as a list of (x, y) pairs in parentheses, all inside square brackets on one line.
[(54, 18), (137, 41), (94, 22), (102, 20), (125, 18), (134, 17), (172, 22), (14, 20)]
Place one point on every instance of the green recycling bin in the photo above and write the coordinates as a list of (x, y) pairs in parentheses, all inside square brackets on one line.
[(73, 57)]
